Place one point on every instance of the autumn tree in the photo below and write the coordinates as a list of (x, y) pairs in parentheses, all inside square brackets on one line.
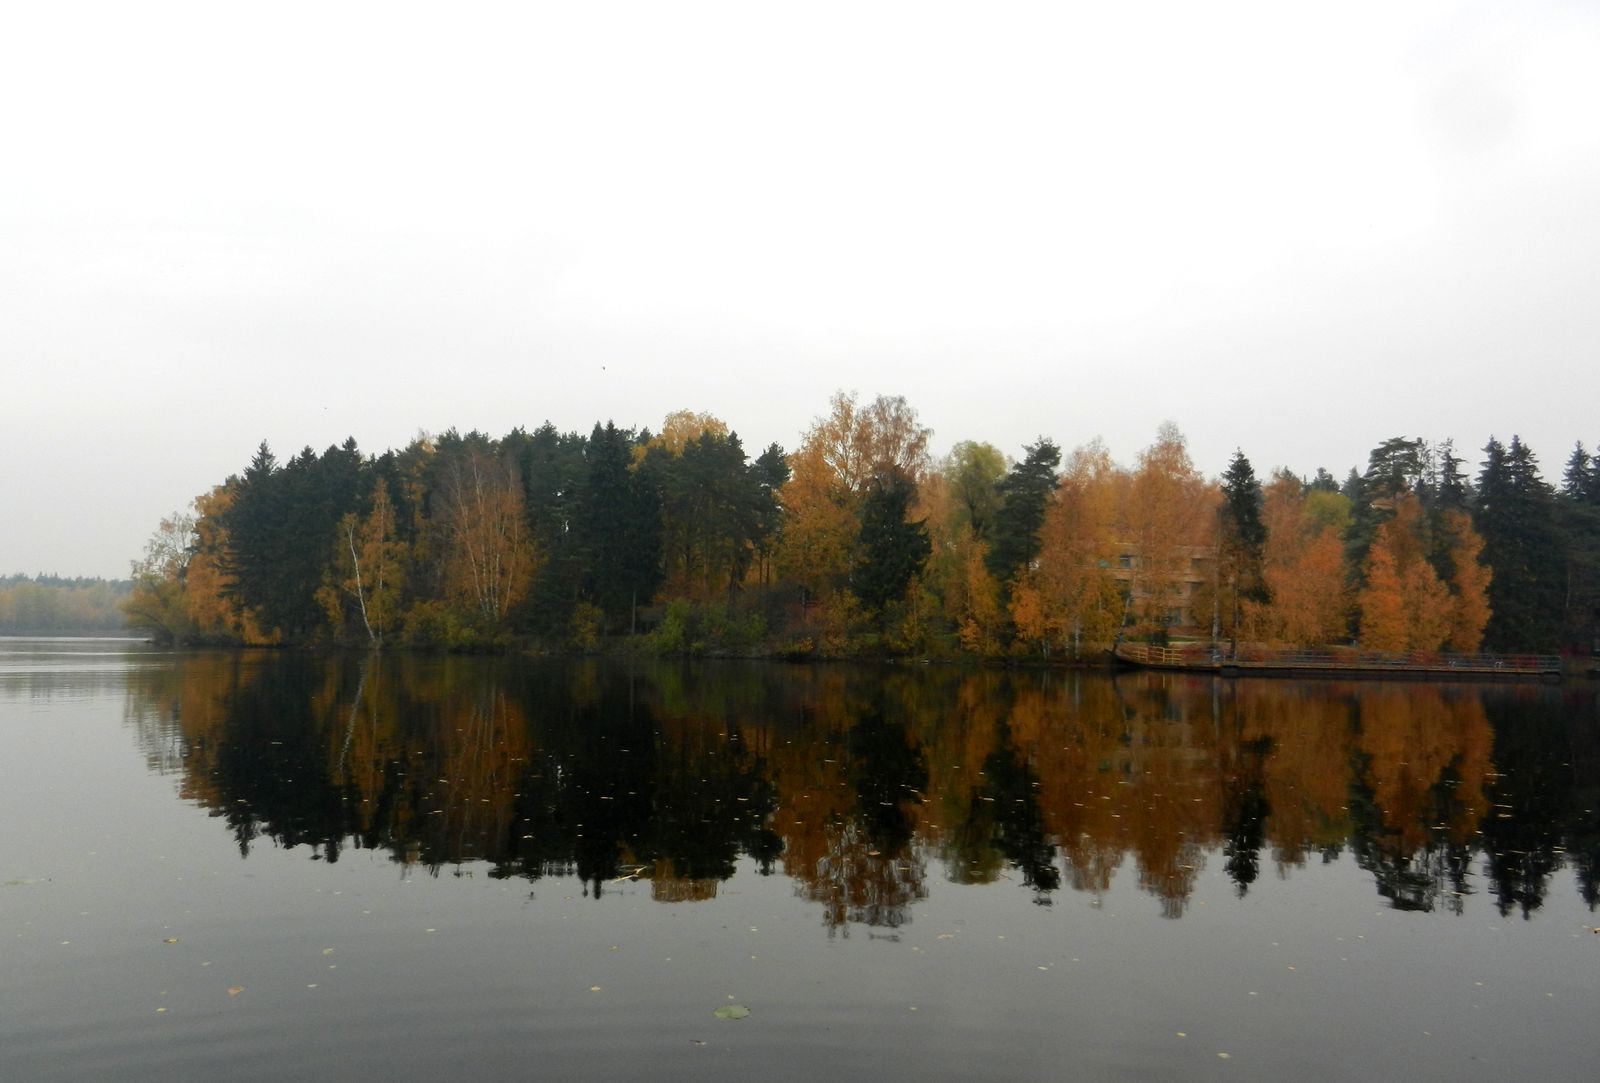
[(838, 458), (973, 473), (1079, 598), (1469, 584), (858, 443), (368, 568), (1167, 522), (157, 606), (487, 554), (216, 618), (1302, 565), (1394, 468), (1404, 604), (681, 428)]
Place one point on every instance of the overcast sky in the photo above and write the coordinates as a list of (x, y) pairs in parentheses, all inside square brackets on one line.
[(1293, 228)]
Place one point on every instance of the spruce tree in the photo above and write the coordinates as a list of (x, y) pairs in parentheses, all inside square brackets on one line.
[(1244, 537), (893, 550), (1515, 515), (1024, 496)]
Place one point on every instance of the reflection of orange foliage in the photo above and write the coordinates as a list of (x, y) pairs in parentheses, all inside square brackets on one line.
[(186, 707), (1307, 778), (426, 758), (1416, 740), (824, 850)]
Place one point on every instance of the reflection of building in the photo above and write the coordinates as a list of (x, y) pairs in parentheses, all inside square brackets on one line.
[(1183, 588)]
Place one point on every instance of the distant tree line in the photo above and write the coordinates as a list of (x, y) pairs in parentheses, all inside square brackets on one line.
[(857, 542), (53, 605)]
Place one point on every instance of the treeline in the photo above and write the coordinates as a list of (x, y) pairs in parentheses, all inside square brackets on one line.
[(858, 543), (53, 605)]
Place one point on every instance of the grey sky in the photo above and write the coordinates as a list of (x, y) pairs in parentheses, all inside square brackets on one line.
[(1298, 229)]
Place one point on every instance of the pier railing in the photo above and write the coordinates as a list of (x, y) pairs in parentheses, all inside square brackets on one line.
[(1354, 659)]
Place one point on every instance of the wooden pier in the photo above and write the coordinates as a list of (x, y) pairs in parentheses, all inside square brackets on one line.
[(1338, 661)]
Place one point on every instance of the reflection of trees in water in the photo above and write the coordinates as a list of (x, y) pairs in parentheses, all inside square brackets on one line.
[(1245, 809), (1011, 792), (850, 779), (866, 869), (618, 790), (1418, 770), (1534, 798)]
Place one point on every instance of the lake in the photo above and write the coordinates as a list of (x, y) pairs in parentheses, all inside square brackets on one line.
[(276, 866)]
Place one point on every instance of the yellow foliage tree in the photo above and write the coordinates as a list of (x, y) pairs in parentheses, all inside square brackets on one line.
[(1469, 613), (1080, 597), (976, 604), (216, 615), (156, 604), (488, 557), (368, 569), (1168, 517), (684, 426), (1028, 617), (838, 458)]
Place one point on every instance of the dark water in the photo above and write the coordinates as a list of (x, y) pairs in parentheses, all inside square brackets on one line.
[(277, 867)]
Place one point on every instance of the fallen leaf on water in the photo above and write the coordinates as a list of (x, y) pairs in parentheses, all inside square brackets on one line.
[(731, 1011), (235, 990)]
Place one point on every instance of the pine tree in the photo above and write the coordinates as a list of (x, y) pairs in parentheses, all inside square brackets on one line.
[(1024, 495)]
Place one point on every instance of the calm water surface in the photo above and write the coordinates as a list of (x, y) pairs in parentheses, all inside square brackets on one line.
[(264, 866)]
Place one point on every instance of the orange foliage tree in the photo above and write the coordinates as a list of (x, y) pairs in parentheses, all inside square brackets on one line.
[(1404, 605), (838, 458), (1169, 515), (1079, 598), (1469, 581), (1303, 564)]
